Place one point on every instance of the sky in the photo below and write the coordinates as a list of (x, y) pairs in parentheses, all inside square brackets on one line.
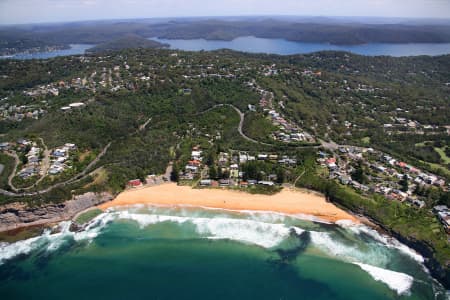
[(41, 11)]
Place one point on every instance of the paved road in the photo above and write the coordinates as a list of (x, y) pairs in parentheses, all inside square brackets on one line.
[(328, 145), (13, 173), (142, 127)]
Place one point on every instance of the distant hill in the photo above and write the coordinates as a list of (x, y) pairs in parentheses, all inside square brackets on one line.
[(126, 42), (113, 35)]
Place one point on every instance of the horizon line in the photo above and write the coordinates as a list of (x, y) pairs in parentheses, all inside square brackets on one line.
[(221, 16)]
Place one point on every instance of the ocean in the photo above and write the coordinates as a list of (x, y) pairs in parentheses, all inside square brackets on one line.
[(148, 252)]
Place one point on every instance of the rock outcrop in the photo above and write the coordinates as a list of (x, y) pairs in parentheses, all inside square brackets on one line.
[(16, 215)]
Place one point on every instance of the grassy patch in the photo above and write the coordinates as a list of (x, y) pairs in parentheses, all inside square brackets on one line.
[(365, 140), (85, 155), (100, 178), (88, 216), (258, 127), (444, 157), (262, 189)]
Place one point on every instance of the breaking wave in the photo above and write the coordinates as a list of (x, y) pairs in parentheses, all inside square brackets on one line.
[(386, 240), (399, 282), (267, 235), (53, 241)]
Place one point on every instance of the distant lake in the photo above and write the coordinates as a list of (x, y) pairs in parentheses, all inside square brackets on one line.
[(75, 49), (284, 47), (261, 45)]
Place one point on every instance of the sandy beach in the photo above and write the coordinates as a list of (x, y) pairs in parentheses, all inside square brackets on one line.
[(287, 201)]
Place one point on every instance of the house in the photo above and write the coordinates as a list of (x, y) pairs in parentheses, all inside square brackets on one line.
[(224, 182), (345, 180), (266, 183), (191, 168), (4, 146), (70, 146), (243, 184), (196, 155), (243, 157), (401, 164), (262, 156), (234, 171), (205, 182), (440, 208), (188, 176), (331, 162), (134, 183), (445, 220), (59, 153), (55, 170), (77, 105), (23, 142), (273, 157), (418, 203)]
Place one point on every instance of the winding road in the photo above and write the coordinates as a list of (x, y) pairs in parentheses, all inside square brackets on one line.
[(13, 173), (241, 122), (327, 145), (86, 172)]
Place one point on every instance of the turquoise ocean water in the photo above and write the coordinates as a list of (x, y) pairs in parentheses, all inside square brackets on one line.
[(191, 253)]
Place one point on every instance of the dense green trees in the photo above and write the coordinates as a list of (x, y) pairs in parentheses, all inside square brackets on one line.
[(404, 183), (359, 174)]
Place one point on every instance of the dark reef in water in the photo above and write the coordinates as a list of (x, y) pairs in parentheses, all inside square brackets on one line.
[(288, 255)]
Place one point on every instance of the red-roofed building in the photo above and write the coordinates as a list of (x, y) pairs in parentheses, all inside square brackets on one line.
[(331, 160), (134, 183), (401, 164), (194, 163)]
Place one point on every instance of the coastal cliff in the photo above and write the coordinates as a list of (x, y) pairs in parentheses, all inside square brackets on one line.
[(17, 215), (437, 270)]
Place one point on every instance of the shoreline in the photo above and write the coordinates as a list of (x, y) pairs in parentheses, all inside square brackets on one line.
[(304, 203)]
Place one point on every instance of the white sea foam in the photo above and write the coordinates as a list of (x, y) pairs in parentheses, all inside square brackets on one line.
[(94, 227), (259, 215), (349, 252), (386, 240), (8, 251), (263, 234), (399, 282), (266, 235), (52, 242)]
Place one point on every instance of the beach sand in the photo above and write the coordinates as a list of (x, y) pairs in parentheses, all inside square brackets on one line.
[(287, 201)]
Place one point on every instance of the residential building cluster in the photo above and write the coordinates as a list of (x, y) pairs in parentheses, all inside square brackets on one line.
[(20, 112), (194, 165), (287, 132), (443, 214), (33, 160), (383, 171), (59, 159)]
